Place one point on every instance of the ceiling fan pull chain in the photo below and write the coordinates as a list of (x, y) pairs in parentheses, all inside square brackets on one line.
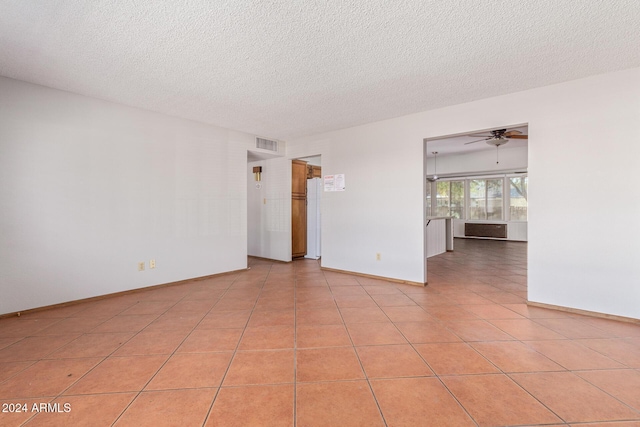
[(497, 159)]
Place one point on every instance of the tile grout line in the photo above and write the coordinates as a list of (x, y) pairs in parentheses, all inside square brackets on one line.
[(235, 351)]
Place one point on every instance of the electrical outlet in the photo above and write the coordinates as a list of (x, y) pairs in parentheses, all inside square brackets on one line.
[(378, 256), (152, 263), (141, 266)]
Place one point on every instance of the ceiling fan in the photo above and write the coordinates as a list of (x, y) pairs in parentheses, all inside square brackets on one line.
[(499, 137)]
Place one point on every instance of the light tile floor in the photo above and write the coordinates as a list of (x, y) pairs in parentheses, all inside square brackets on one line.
[(289, 344)]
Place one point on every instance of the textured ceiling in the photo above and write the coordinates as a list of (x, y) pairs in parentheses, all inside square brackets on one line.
[(283, 69)]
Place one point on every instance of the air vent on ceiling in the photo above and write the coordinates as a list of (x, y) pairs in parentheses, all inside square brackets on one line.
[(266, 144)]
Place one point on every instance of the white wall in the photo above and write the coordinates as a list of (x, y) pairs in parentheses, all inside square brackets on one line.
[(269, 210), (90, 188), (583, 142), (511, 159)]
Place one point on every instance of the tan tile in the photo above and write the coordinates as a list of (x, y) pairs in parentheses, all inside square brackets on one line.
[(537, 312), (496, 400), (34, 348), (9, 369), (327, 364), (6, 342), (418, 401), (175, 321), (492, 311), (526, 329), (616, 349), (325, 302), (152, 342), (454, 359), (206, 294), (623, 384), (380, 333), (148, 307), (20, 327), (193, 307), (235, 304), (514, 356), (85, 411), (363, 315), (272, 318), (118, 374), (342, 403), (129, 323), (225, 319), (170, 408), (310, 316), (572, 398), (407, 314), (276, 303), (390, 361), (191, 370), (355, 301), (321, 336), (267, 337), (344, 280), (394, 300), (59, 312), (477, 330), (573, 356), (426, 332), (205, 340), (348, 291), (614, 327), (92, 345), (381, 289), (573, 328), (103, 308), (261, 367), (46, 378), (466, 298), (449, 312), (268, 406), (72, 325)]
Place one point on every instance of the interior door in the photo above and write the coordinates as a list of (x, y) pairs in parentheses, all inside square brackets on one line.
[(298, 208)]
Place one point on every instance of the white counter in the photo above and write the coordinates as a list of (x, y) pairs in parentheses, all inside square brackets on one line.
[(439, 235)]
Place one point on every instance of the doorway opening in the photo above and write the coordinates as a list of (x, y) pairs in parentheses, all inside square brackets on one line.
[(476, 194), (306, 197)]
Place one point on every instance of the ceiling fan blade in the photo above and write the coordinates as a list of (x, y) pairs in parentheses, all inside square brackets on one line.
[(483, 139), (478, 135), (512, 132), (517, 136)]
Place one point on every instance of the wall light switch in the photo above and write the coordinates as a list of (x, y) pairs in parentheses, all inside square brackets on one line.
[(152, 263), (141, 266)]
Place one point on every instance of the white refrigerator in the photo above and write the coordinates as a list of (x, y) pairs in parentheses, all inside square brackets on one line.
[(314, 192)]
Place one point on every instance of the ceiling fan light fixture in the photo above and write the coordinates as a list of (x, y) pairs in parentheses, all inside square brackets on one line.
[(497, 141)]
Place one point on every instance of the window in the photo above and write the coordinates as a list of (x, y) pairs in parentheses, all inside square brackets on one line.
[(450, 199), (518, 198), (485, 199)]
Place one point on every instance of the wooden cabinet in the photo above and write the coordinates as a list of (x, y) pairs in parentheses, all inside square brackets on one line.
[(314, 172), (298, 208)]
